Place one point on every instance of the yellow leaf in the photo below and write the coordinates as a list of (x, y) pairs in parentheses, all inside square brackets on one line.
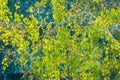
[(2, 62), (31, 9), (5, 59), (96, 1)]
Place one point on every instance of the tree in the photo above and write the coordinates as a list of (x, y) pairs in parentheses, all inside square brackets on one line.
[(72, 40)]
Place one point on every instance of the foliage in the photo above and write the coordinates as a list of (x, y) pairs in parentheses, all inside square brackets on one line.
[(80, 43)]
